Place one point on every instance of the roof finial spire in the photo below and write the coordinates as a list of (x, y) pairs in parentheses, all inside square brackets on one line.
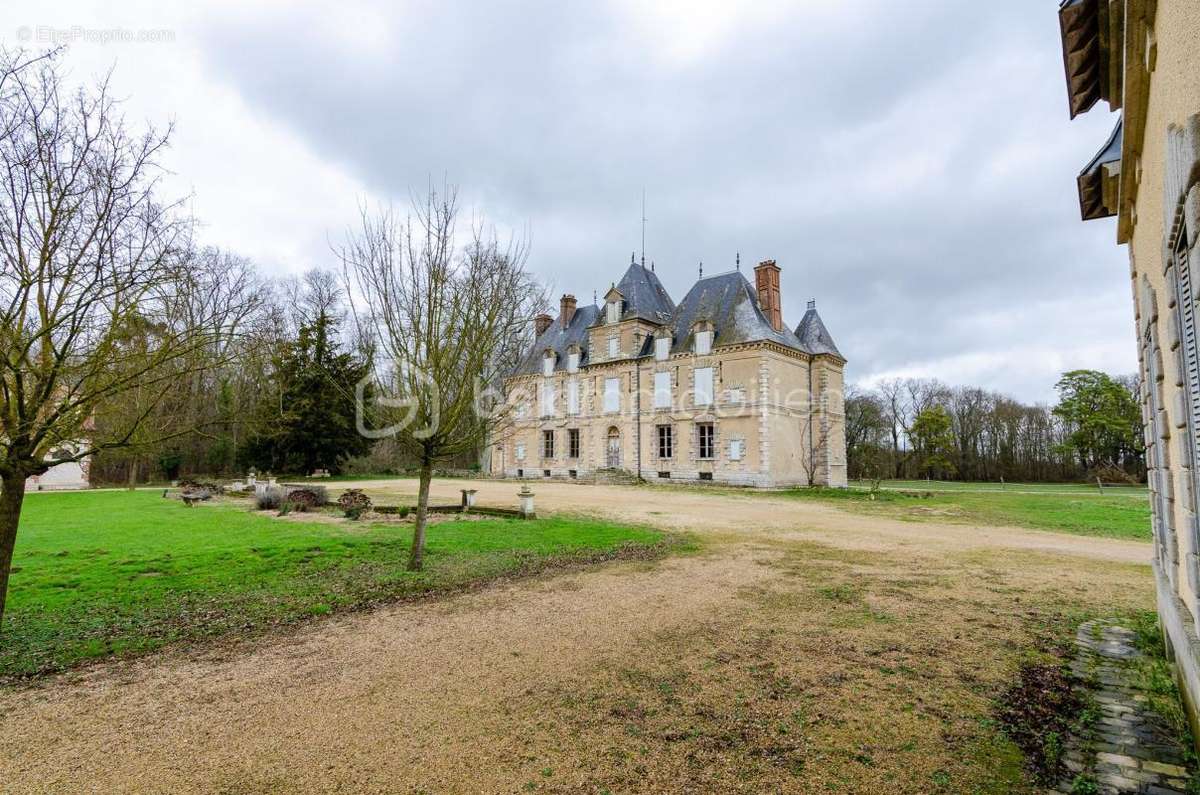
[(643, 227), (738, 260), (701, 269), (632, 257), (594, 298), (652, 266)]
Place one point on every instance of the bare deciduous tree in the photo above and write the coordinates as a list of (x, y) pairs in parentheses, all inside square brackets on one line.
[(444, 319), (86, 255)]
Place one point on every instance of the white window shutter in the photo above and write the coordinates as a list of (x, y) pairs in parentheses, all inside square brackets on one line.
[(662, 390), (662, 348), (703, 387), (573, 397), (612, 395), (703, 343)]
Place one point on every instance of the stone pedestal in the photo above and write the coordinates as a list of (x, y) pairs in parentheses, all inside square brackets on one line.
[(525, 503)]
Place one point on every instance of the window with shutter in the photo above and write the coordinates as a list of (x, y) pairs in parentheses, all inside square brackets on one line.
[(662, 390), (1189, 360), (612, 395), (548, 400), (662, 348), (703, 343), (703, 386), (573, 396)]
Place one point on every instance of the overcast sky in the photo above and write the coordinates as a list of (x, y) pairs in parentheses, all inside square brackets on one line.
[(910, 166)]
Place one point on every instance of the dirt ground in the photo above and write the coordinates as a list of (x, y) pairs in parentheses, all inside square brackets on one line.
[(803, 649)]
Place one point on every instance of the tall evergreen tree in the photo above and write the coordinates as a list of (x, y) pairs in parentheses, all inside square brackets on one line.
[(311, 425)]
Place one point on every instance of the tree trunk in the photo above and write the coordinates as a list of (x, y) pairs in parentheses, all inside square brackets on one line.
[(415, 557), (133, 472), (12, 495)]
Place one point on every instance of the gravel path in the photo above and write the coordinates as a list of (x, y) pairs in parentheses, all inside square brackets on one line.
[(436, 696)]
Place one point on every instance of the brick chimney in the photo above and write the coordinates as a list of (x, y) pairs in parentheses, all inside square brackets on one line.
[(766, 279), (541, 323), (567, 310)]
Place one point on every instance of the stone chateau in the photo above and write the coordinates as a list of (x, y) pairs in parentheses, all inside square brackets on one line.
[(715, 388)]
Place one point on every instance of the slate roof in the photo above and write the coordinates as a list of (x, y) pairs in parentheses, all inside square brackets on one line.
[(1091, 179), (814, 337), (730, 303), (559, 339), (645, 297), (726, 300)]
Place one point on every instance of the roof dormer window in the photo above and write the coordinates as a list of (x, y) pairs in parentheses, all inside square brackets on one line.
[(662, 348), (702, 337), (548, 363), (614, 311), (573, 359)]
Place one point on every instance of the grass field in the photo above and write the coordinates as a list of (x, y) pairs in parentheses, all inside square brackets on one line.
[(1117, 513), (1043, 488), (118, 573)]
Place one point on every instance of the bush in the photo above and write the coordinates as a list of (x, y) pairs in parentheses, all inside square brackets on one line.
[(354, 503), (302, 500), (320, 492), (271, 499)]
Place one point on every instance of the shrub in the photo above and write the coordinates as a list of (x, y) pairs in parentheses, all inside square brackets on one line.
[(302, 500), (270, 499), (320, 492), (354, 503)]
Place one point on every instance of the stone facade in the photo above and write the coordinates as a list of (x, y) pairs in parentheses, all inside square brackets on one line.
[(1142, 57), (715, 389)]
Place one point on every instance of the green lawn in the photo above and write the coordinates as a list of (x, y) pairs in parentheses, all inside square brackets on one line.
[(1117, 513), (1047, 488), (119, 573)]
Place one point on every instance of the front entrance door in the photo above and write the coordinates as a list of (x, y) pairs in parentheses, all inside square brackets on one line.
[(614, 448)]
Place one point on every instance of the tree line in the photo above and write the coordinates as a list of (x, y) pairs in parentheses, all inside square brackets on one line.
[(921, 427)]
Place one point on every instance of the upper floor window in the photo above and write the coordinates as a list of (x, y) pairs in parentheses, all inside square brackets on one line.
[(662, 390), (703, 386), (614, 311), (703, 342), (573, 396), (612, 395), (548, 364), (662, 348), (548, 399), (573, 361), (614, 347)]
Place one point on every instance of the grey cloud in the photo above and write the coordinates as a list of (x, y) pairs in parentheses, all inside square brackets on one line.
[(910, 165)]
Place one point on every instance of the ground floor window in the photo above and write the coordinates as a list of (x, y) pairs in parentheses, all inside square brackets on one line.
[(666, 441), (706, 440), (547, 444), (573, 443)]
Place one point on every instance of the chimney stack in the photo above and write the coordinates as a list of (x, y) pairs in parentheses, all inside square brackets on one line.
[(567, 310), (541, 323), (766, 279)]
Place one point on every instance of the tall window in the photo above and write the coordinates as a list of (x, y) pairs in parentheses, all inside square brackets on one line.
[(666, 441), (520, 454), (614, 347), (703, 378), (706, 441), (737, 449), (612, 395), (573, 443), (573, 362), (614, 311), (573, 397), (662, 348), (548, 399), (703, 343), (548, 364), (547, 444), (662, 390)]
